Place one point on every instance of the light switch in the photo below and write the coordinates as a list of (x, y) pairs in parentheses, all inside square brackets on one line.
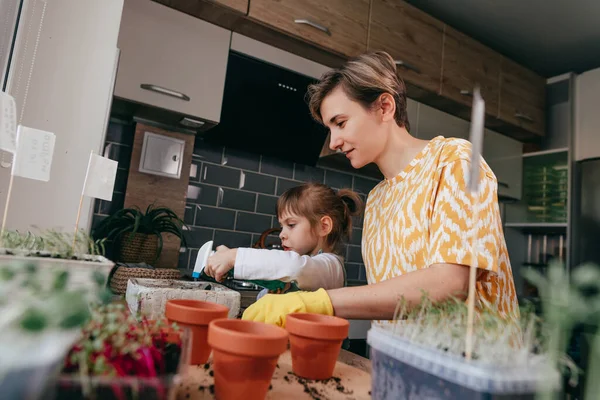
[(162, 155)]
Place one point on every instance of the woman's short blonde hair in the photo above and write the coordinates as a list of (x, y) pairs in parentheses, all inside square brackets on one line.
[(363, 79)]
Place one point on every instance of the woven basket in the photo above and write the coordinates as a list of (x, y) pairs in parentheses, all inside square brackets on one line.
[(118, 282), (142, 248)]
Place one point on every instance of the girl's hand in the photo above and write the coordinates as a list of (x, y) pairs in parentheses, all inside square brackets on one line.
[(220, 263)]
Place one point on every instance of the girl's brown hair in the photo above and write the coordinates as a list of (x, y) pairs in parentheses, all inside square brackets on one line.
[(315, 201), (363, 79)]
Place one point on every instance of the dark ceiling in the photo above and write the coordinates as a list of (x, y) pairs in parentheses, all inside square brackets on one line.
[(551, 37)]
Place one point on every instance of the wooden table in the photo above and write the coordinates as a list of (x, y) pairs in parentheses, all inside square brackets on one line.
[(351, 380)]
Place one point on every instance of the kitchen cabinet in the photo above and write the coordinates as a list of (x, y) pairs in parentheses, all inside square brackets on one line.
[(414, 39), (237, 5), (505, 157), (522, 97), (172, 61), (468, 63), (587, 117), (336, 25), (433, 122)]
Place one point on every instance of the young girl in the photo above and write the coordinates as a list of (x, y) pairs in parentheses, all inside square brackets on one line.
[(315, 220)]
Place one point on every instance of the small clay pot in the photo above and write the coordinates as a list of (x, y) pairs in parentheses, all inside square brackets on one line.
[(315, 342), (195, 315), (245, 355)]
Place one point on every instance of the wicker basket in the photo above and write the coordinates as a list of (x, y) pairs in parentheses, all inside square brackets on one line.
[(142, 248), (118, 281)]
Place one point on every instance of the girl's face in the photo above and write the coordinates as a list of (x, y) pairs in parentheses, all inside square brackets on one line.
[(297, 234), (358, 132)]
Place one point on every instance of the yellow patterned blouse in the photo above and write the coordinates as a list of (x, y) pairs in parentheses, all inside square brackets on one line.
[(423, 217)]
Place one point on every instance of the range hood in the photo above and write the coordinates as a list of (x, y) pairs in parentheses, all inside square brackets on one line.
[(264, 104)]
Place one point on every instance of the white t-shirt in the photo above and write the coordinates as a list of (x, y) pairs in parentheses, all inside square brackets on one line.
[(324, 270)]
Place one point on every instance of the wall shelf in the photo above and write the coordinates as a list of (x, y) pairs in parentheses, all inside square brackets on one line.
[(539, 227), (545, 152)]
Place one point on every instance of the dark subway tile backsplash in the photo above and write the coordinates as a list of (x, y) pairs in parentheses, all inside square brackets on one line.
[(248, 222), (196, 237), (352, 271), (215, 217), (222, 176), (241, 159), (121, 180), (364, 185), (232, 239), (267, 204), (277, 167), (190, 214), (338, 180), (207, 152), (259, 183), (307, 173), (202, 194), (356, 237), (354, 254), (243, 213), (285, 184), (238, 200)]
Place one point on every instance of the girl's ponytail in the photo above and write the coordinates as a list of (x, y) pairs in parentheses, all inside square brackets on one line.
[(353, 205)]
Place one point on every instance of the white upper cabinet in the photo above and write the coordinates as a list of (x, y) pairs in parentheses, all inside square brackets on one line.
[(432, 122), (503, 154), (172, 60), (505, 157), (587, 117)]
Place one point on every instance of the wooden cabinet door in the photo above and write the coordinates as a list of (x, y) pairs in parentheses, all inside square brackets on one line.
[(336, 25), (412, 37), (238, 5), (467, 63), (522, 97)]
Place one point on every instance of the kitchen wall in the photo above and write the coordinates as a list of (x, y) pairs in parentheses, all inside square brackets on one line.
[(238, 218)]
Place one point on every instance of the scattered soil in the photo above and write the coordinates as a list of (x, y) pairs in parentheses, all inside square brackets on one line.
[(316, 388)]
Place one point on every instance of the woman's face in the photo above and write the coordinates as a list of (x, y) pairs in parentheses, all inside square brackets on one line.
[(356, 131)]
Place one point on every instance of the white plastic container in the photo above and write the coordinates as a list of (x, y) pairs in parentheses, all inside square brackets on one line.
[(150, 296), (405, 370)]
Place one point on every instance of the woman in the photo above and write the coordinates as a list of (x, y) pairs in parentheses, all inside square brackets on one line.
[(418, 220)]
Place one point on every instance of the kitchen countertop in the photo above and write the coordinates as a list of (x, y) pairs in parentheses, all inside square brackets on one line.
[(351, 380)]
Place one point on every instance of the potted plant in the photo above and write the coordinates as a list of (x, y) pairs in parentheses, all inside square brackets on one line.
[(138, 234), (52, 248), (138, 241), (122, 356), (421, 355), (41, 314)]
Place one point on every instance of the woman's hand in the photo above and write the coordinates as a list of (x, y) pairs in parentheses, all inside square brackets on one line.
[(220, 263)]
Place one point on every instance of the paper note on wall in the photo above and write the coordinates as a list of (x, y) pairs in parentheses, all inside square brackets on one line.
[(100, 177), (8, 122), (33, 158)]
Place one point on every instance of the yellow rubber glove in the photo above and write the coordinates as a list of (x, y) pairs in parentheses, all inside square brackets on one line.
[(272, 308)]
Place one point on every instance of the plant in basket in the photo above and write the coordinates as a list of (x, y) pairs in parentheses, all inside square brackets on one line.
[(120, 357), (138, 234), (41, 313)]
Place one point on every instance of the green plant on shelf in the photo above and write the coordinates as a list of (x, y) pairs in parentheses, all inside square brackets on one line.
[(52, 243)]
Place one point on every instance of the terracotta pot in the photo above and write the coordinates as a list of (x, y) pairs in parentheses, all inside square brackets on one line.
[(245, 356), (315, 342), (195, 315)]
